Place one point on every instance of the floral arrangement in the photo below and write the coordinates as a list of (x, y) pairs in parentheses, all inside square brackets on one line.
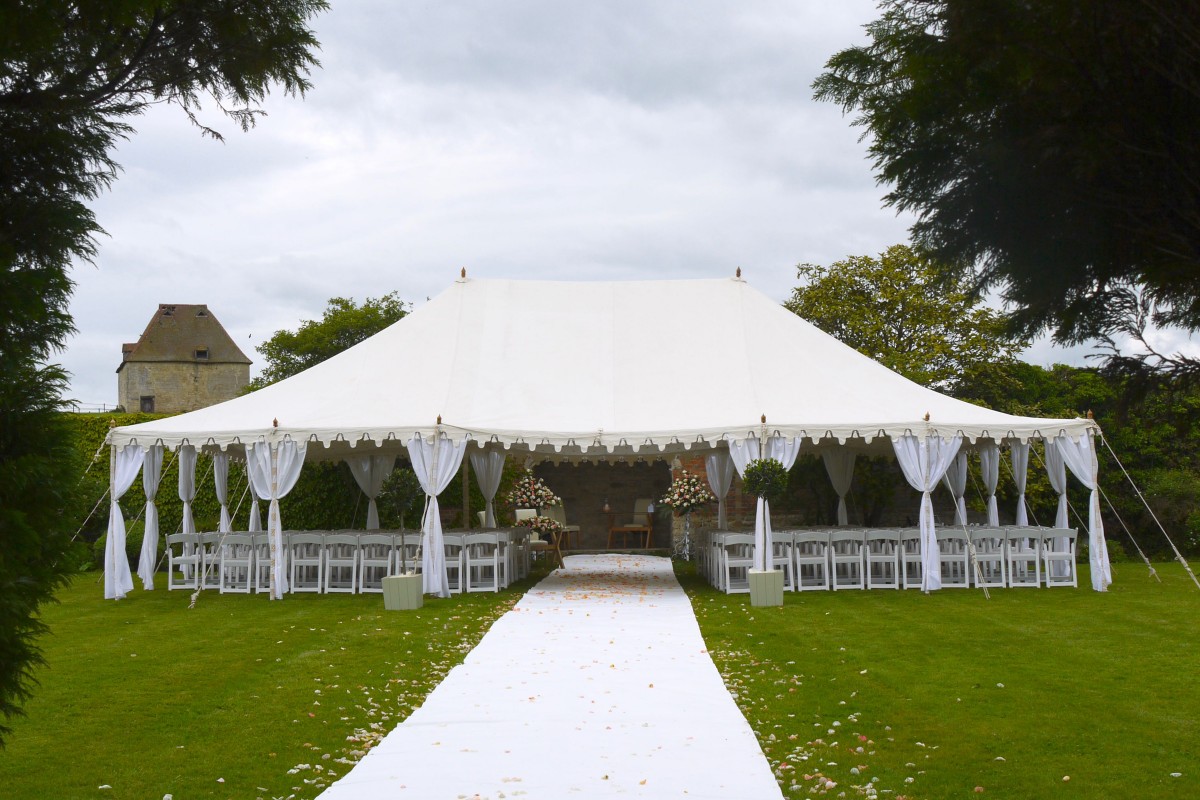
[(530, 492), (543, 526), (687, 493), (766, 478)]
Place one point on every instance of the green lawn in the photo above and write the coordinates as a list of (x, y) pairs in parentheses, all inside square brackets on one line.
[(150, 698), (1034, 693)]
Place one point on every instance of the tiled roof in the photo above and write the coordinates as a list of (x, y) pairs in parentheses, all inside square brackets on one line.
[(179, 332)]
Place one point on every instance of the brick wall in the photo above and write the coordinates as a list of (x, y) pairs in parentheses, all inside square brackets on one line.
[(585, 488)]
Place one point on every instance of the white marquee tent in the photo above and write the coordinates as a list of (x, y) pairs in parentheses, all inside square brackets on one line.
[(593, 370)]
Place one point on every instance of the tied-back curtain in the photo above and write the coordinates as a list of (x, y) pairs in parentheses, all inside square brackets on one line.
[(1080, 456), (151, 476), (255, 523), (742, 452), (924, 460), (370, 472), (839, 464), (274, 470), (123, 470), (989, 465), (1056, 470), (956, 482), (221, 484), (435, 463), (1020, 468), (488, 466), (719, 468), (187, 485)]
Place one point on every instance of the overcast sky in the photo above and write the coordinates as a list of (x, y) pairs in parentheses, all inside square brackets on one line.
[(520, 139)]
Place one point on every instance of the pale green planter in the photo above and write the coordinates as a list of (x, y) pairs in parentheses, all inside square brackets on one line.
[(403, 592), (766, 587)]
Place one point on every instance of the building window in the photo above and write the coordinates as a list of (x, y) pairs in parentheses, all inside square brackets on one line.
[(147, 405), (202, 354)]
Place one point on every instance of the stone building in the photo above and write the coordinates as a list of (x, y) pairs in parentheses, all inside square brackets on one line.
[(184, 360)]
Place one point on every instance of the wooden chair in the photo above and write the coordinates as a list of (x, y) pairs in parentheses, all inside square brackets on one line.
[(642, 523), (559, 515)]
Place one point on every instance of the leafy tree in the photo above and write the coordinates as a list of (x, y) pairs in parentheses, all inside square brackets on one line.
[(894, 309), (343, 325), (72, 77), (1048, 150)]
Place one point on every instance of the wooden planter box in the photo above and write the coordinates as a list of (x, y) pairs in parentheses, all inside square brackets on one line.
[(766, 587), (403, 592)]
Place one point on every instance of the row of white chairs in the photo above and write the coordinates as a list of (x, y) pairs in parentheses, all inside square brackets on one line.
[(342, 561), (890, 558)]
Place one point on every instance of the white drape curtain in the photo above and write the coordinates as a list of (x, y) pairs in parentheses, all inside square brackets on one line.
[(839, 464), (719, 469), (924, 460), (488, 466), (187, 485), (274, 470), (435, 462), (151, 475), (956, 481), (1020, 468), (255, 523), (1080, 455), (1056, 470), (123, 470), (742, 452), (370, 472), (989, 466), (221, 484)]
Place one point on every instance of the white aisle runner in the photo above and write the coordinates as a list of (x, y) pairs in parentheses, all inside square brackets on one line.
[(597, 684)]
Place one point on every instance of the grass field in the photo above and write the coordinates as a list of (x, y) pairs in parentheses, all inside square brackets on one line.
[(1031, 694), (243, 698)]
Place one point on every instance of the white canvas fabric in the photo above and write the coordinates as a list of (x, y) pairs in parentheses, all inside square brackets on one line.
[(839, 464), (460, 343), (924, 460), (488, 466), (124, 464), (255, 523), (370, 472), (1080, 455), (435, 461), (151, 474), (187, 485), (742, 452), (719, 469), (274, 470), (1020, 468), (989, 466), (221, 486), (1056, 470), (956, 481)]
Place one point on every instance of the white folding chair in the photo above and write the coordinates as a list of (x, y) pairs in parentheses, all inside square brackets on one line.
[(237, 563), (306, 556), (1058, 557), (737, 559), (989, 556), (183, 559), (883, 559), (210, 559), (810, 550), (911, 569), (1023, 558), (452, 547), (481, 562), (341, 562), (846, 556), (954, 557), (262, 560), (781, 557), (376, 560)]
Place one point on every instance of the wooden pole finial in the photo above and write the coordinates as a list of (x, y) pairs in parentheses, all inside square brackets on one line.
[(764, 419), (275, 422), (439, 422), (463, 272), (1090, 415), (927, 416), (738, 274)]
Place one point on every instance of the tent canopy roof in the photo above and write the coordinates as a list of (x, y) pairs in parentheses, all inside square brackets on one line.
[(592, 368)]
